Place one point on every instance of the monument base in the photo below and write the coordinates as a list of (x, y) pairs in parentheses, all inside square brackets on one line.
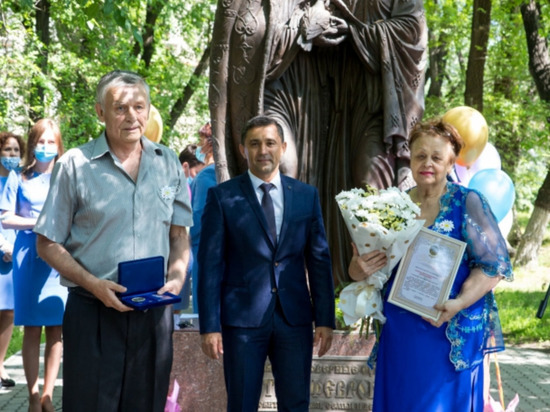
[(340, 380), (202, 387)]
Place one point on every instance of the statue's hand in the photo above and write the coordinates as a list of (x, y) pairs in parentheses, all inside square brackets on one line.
[(340, 25), (333, 35)]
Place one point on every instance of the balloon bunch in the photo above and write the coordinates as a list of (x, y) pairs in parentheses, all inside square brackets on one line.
[(478, 165)]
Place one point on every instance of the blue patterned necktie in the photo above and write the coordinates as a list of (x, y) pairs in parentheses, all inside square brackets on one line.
[(269, 210)]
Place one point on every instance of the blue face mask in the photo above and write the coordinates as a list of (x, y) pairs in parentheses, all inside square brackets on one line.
[(200, 156), (10, 163), (45, 152), (189, 181)]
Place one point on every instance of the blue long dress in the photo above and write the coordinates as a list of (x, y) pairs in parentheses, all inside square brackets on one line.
[(38, 296), (6, 277), (423, 368)]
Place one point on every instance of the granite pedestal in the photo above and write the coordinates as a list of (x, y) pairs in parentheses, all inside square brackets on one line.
[(200, 378), (340, 381)]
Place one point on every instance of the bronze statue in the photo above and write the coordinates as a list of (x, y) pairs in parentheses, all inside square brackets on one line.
[(343, 77)]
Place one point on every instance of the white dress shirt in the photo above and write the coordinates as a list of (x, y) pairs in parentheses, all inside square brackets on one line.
[(276, 194)]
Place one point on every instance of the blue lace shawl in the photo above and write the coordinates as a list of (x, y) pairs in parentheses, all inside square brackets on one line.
[(466, 215)]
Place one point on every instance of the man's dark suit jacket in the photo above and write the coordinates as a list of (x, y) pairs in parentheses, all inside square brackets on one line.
[(237, 259)]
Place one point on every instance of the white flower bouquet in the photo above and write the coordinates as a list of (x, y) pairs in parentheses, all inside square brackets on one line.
[(385, 221)]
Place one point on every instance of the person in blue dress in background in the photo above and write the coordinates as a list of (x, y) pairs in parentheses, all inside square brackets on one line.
[(424, 365), (38, 296), (11, 147)]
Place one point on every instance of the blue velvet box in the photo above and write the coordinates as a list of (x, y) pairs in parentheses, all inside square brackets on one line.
[(143, 278)]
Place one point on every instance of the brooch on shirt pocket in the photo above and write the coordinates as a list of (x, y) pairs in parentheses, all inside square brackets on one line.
[(169, 192)]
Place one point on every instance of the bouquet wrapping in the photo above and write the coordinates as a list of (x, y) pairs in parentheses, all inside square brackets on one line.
[(385, 221), (494, 406)]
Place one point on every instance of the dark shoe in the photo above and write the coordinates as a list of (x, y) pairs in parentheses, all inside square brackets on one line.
[(185, 324), (7, 383)]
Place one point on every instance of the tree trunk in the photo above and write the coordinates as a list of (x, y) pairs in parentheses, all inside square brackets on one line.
[(189, 89), (534, 232), (42, 27), (148, 33), (473, 96), (539, 59), (539, 65), (438, 59)]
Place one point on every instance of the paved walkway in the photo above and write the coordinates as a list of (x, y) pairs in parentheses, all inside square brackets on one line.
[(16, 399), (524, 371)]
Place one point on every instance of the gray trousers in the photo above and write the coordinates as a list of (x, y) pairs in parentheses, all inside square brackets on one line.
[(115, 361)]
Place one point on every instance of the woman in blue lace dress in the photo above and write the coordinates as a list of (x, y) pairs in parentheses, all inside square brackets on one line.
[(429, 366), (39, 299)]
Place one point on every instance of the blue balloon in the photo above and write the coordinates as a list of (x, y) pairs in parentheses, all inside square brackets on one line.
[(497, 187)]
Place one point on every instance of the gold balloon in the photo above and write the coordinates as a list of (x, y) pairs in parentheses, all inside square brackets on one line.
[(153, 130), (472, 128)]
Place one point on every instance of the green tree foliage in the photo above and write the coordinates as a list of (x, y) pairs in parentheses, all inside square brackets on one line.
[(516, 116), (89, 38)]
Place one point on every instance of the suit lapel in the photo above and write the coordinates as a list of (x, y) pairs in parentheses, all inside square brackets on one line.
[(250, 195)]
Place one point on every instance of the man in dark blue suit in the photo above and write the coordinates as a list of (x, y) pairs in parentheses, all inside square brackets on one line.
[(264, 276)]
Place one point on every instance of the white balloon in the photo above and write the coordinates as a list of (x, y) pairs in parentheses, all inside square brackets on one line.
[(489, 159), (505, 225), (464, 174)]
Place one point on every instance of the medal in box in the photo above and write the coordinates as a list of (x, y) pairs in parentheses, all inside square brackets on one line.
[(142, 279)]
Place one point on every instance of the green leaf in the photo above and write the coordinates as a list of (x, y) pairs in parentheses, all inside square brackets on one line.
[(108, 7), (137, 36), (92, 10), (120, 18)]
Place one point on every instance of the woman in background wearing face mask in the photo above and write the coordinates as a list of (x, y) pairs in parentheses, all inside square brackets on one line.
[(11, 147), (204, 151), (39, 298)]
